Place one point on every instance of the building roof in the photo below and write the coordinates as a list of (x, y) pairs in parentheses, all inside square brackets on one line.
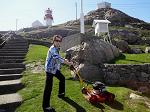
[(100, 21), (37, 23)]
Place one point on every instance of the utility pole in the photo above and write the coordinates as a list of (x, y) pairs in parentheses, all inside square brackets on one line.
[(82, 19), (76, 10), (16, 24)]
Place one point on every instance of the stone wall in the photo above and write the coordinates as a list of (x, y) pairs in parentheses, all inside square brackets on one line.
[(37, 42), (122, 74)]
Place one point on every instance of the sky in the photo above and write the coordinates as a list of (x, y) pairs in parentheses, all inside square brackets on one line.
[(25, 12)]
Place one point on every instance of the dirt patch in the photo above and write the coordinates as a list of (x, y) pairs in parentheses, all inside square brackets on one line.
[(35, 67), (137, 97)]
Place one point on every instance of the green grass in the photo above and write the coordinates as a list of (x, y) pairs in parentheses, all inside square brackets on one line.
[(32, 93), (132, 59), (36, 53)]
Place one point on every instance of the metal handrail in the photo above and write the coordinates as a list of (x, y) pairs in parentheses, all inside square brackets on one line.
[(6, 38)]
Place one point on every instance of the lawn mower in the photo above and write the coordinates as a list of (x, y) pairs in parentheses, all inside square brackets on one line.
[(95, 94)]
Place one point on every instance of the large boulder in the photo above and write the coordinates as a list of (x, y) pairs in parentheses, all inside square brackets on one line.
[(130, 37), (90, 55), (70, 41), (91, 72), (136, 51), (122, 45)]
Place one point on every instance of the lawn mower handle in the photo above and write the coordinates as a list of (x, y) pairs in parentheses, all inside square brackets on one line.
[(72, 68)]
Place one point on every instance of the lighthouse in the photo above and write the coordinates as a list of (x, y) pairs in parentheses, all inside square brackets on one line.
[(48, 17)]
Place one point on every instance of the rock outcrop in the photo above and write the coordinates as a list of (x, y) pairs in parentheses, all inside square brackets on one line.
[(90, 54), (47, 33), (117, 18)]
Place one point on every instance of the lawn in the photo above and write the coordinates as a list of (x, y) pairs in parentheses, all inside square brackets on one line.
[(132, 59), (74, 102)]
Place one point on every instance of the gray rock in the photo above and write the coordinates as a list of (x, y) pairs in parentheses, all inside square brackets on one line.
[(135, 51), (145, 75), (147, 50), (94, 51), (90, 72), (90, 54), (122, 45)]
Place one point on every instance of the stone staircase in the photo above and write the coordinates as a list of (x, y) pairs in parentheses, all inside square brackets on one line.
[(12, 55)]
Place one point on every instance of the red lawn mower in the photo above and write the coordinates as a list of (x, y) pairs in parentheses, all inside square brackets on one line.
[(95, 94)]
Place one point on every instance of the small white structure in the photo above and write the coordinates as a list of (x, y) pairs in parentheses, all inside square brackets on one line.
[(36, 24), (101, 28), (48, 17), (103, 5)]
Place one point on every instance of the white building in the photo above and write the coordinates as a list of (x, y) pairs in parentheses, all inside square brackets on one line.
[(48, 17), (103, 5), (36, 24), (101, 27)]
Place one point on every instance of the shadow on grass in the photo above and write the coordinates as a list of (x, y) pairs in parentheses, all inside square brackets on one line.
[(121, 57), (115, 105), (142, 62), (74, 104), (100, 106)]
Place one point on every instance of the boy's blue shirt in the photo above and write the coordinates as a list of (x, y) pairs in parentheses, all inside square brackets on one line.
[(53, 60)]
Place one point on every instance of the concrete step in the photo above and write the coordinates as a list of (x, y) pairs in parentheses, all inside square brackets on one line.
[(9, 102), (7, 77), (12, 54), (11, 86), (10, 98), (11, 65), (15, 40), (13, 48), (16, 47), (18, 40), (12, 57), (11, 71), (11, 61), (10, 82), (18, 44), (13, 51)]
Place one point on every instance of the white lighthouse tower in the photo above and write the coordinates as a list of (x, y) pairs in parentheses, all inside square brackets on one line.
[(48, 17)]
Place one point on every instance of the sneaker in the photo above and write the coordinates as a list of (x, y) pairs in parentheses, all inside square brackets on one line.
[(49, 109), (61, 95)]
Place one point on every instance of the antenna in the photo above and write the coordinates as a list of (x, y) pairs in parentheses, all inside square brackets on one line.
[(76, 10), (16, 24)]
